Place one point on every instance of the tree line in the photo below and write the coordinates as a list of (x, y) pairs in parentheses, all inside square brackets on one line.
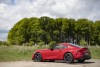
[(46, 30)]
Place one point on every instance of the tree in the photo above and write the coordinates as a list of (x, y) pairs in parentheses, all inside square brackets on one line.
[(71, 30), (65, 29), (45, 30), (18, 34), (83, 29), (96, 33)]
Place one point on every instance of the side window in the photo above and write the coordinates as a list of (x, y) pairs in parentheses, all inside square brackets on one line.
[(62, 47), (59, 47), (56, 47)]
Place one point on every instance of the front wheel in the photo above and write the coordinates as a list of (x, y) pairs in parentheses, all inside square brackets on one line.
[(38, 57), (68, 58)]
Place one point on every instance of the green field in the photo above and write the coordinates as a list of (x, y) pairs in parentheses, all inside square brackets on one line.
[(95, 52), (16, 53)]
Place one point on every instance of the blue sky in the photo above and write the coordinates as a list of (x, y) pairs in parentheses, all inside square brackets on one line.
[(11, 11)]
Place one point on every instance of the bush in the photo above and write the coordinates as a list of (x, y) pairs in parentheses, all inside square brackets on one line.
[(51, 44), (31, 43), (26, 44), (4, 43), (0, 42), (12, 43), (83, 42), (41, 43)]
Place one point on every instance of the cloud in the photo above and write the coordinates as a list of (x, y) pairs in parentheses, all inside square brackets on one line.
[(11, 11), (3, 34)]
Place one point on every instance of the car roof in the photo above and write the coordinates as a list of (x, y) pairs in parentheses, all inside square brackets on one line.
[(70, 44)]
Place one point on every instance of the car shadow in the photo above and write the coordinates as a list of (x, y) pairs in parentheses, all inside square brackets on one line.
[(86, 62), (75, 62)]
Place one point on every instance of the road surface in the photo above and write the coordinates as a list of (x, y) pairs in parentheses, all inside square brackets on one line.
[(88, 63)]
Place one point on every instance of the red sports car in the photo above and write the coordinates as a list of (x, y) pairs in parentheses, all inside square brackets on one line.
[(63, 51)]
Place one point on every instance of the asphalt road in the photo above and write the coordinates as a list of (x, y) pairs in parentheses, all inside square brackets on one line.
[(88, 63)]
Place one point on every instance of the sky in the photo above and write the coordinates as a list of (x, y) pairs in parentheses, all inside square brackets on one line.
[(11, 11)]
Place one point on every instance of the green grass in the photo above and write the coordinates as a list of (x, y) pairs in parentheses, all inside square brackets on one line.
[(18, 53), (95, 52)]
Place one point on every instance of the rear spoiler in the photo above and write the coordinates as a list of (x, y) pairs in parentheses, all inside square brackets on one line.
[(84, 48)]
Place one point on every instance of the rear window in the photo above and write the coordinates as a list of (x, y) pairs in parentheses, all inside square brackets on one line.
[(75, 45)]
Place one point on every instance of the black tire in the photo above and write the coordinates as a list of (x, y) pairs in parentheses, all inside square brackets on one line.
[(68, 58), (37, 57), (81, 60), (51, 60)]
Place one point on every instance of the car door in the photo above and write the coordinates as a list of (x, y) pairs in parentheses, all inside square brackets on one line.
[(55, 52)]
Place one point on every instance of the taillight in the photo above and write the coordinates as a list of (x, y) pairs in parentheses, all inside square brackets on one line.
[(87, 50)]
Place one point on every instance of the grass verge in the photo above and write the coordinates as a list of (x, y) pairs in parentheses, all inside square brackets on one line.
[(95, 52), (18, 53)]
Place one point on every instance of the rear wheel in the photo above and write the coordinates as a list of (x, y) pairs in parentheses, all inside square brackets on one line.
[(38, 57), (68, 58), (81, 60)]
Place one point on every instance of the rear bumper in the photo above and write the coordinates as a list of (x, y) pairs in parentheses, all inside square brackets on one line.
[(86, 57)]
